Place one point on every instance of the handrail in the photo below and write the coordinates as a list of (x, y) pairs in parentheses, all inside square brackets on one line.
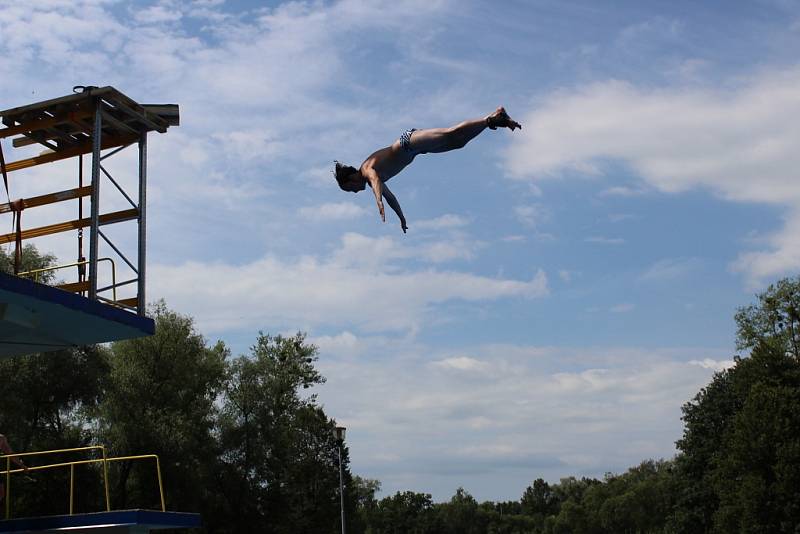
[(8, 470), (113, 287), (72, 465)]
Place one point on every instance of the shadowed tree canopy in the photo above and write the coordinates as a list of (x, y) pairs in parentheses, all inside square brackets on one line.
[(159, 399), (744, 427), (279, 455)]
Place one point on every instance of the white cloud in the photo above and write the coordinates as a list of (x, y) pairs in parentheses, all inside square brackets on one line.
[(548, 411), (351, 288), (462, 363), (621, 191), (333, 211), (156, 14), (532, 215), (739, 142), (714, 365), (446, 221), (669, 269)]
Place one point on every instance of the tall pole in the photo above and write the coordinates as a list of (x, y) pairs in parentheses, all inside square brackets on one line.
[(96, 147), (341, 486), (141, 303)]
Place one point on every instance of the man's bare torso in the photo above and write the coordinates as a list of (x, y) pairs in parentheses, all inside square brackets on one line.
[(388, 161)]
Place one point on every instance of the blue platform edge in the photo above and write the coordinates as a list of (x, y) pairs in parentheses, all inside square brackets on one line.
[(76, 302), (144, 518)]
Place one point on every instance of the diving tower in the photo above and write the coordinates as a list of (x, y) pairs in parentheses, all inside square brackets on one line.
[(95, 303)]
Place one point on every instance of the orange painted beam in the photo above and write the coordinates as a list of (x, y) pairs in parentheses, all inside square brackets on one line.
[(107, 142), (108, 218), (50, 198)]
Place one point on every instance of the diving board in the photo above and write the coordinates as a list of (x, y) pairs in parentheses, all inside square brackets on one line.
[(117, 522), (38, 318)]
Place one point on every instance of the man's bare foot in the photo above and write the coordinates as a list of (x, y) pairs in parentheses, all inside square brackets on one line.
[(500, 119)]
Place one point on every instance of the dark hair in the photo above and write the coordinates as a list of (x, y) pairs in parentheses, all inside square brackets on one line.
[(342, 172)]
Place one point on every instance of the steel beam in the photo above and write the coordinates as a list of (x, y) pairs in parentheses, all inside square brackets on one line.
[(97, 135), (141, 296)]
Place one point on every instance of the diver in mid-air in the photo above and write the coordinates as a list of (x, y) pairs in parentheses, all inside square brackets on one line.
[(387, 162)]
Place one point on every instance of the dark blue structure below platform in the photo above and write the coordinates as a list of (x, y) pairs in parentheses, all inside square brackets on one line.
[(118, 522), (39, 318)]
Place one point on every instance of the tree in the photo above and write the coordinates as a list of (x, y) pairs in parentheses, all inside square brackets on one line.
[(713, 420), (461, 515), (757, 474), (160, 398), (774, 320), (406, 513), (45, 397), (280, 457), (738, 446), (539, 499)]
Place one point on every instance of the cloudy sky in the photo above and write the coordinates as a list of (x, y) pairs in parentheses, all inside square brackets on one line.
[(561, 290)]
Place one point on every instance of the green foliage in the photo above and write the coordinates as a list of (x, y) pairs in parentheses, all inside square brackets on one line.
[(159, 398), (404, 513), (740, 445), (279, 456), (461, 514), (31, 260), (44, 398), (774, 319), (763, 449), (539, 500)]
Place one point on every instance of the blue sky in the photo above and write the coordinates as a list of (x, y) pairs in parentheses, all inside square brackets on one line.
[(561, 291)]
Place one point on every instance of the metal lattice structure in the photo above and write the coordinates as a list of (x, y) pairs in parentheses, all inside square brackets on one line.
[(101, 122)]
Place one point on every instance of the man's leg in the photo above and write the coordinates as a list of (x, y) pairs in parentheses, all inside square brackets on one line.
[(445, 139)]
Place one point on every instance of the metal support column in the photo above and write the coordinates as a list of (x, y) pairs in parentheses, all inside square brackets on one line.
[(341, 488), (94, 228), (142, 302)]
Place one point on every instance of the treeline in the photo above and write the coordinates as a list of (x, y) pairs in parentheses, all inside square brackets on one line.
[(241, 441), (737, 469)]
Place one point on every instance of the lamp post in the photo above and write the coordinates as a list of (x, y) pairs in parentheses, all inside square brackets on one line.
[(338, 432)]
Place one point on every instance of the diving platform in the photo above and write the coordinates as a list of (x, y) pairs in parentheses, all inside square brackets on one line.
[(98, 295), (116, 522)]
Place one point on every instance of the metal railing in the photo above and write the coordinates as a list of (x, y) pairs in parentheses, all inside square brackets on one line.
[(104, 460), (36, 272)]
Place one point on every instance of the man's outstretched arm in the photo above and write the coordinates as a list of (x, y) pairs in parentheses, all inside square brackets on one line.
[(395, 205), (377, 186)]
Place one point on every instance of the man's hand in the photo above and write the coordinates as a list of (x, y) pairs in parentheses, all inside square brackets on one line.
[(380, 207), (403, 225)]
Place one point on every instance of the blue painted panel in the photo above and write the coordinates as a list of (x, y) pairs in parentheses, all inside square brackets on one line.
[(39, 318), (151, 519)]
